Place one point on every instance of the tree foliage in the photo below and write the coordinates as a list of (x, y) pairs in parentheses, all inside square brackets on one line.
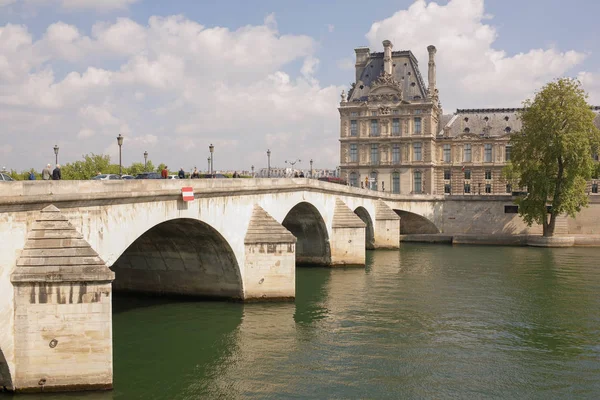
[(552, 155)]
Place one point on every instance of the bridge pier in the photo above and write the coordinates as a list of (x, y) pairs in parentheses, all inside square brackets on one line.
[(270, 259), (347, 237), (63, 313), (387, 227)]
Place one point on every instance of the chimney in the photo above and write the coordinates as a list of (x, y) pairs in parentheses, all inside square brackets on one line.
[(387, 56), (431, 76), (362, 57)]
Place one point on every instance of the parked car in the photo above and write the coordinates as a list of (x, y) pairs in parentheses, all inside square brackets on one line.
[(5, 178), (173, 177), (148, 175), (106, 177), (127, 177), (215, 176)]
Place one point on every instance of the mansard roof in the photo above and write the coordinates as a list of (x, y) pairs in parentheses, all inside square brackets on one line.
[(487, 122), (405, 70)]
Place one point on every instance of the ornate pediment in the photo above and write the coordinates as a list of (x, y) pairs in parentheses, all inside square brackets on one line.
[(385, 88), (473, 136)]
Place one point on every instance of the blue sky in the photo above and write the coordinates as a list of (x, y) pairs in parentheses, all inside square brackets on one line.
[(81, 86)]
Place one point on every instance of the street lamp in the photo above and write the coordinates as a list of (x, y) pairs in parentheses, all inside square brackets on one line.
[(311, 170), (252, 171), (208, 167), (212, 149), (145, 161), (268, 163), (120, 143), (55, 154), (292, 163)]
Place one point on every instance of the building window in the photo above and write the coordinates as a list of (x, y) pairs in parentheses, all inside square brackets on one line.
[(487, 153), (374, 154), (416, 151), (594, 188), (447, 174), (447, 188), (353, 128), (353, 153), (507, 151), (467, 157), (488, 174), (417, 182), (396, 154), (467, 174), (395, 112), (374, 128), (373, 113), (395, 127), (396, 182), (467, 188), (354, 114), (511, 209), (446, 153), (507, 129), (488, 188), (417, 111), (508, 188), (353, 179), (373, 180), (417, 126)]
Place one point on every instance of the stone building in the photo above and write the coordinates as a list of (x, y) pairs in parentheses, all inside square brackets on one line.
[(394, 137)]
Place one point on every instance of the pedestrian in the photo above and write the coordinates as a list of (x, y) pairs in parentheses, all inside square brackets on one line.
[(301, 174), (56, 175), (235, 174), (31, 176), (46, 173), (164, 173), (181, 173), (195, 174)]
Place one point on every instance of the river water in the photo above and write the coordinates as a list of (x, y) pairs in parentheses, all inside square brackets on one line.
[(428, 321)]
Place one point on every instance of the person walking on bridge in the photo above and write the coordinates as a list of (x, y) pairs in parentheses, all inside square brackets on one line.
[(164, 173), (181, 173), (56, 175), (46, 173)]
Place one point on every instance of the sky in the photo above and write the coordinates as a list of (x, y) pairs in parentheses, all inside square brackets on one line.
[(174, 76)]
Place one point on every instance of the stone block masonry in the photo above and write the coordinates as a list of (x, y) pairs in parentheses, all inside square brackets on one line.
[(348, 237)]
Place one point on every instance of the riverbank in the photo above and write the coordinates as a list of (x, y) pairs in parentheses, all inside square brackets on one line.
[(505, 240)]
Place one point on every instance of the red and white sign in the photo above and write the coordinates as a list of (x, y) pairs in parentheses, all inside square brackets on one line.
[(187, 192)]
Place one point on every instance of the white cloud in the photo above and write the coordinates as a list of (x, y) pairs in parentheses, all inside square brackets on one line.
[(169, 86), (591, 82), (330, 28), (470, 71), (346, 64)]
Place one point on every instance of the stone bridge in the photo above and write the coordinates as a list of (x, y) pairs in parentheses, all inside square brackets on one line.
[(66, 245)]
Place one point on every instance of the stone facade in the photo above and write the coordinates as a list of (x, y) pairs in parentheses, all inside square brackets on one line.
[(394, 137)]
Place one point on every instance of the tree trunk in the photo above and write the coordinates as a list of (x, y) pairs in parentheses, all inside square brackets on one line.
[(549, 227)]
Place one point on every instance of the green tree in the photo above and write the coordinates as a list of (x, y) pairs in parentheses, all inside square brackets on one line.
[(510, 176), (552, 155), (88, 168)]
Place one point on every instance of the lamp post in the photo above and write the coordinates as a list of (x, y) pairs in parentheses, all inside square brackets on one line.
[(268, 163), (292, 163), (120, 143), (252, 167), (145, 161), (212, 149), (311, 170), (208, 167), (55, 154)]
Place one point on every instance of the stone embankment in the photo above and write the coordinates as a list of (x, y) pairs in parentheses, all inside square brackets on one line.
[(506, 240)]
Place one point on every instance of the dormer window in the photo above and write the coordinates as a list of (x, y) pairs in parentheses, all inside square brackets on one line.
[(506, 118), (466, 130), (507, 129), (486, 119), (466, 119)]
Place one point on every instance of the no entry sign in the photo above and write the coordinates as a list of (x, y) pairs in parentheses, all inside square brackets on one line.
[(187, 193)]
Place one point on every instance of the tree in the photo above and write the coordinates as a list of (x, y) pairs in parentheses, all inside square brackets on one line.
[(552, 155), (88, 168), (510, 176)]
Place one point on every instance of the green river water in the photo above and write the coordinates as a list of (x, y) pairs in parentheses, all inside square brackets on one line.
[(424, 322)]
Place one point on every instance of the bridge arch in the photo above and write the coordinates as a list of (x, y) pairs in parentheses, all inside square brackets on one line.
[(411, 223), (5, 378), (182, 256), (307, 225), (364, 215)]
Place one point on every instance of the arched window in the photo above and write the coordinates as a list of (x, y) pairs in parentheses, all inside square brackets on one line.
[(396, 182), (417, 183), (353, 179), (373, 180)]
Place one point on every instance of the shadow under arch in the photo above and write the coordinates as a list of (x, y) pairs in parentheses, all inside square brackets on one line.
[(363, 214), (411, 223), (305, 222), (180, 257), (5, 378)]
